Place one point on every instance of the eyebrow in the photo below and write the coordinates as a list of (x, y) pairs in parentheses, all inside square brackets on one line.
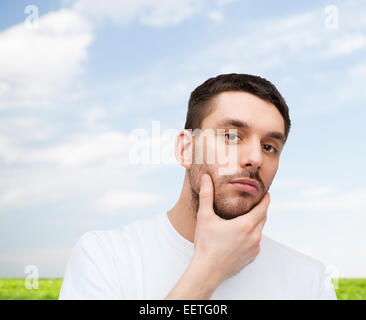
[(244, 125)]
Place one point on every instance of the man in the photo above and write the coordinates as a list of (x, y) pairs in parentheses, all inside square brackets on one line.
[(210, 244)]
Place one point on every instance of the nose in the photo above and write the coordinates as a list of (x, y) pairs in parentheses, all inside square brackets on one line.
[(251, 155)]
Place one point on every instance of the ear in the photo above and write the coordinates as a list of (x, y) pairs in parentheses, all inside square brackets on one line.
[(183, 148)]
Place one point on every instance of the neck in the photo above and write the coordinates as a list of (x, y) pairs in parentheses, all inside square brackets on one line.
[(183, 215)]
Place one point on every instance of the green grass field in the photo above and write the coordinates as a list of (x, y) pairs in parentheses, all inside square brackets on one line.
[(48, 289), (14, 289)]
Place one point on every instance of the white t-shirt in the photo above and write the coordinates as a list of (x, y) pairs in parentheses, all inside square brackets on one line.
[(145, 259)]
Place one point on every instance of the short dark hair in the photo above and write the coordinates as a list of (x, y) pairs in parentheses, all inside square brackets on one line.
[(199, 106)]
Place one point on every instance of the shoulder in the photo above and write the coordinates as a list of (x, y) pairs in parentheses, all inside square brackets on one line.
[(301, 273), (96, 243), (120, 241), (290, 256), (102, 264), (116, 236), (91, 271)]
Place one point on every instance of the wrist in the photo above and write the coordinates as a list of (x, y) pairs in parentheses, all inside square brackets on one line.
[(206, 271), (198, 282)]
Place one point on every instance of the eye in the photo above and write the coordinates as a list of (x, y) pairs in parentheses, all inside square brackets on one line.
[(268, 147), (231, 137)]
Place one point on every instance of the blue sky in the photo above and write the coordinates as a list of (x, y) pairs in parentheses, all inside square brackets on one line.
[(77, 80)]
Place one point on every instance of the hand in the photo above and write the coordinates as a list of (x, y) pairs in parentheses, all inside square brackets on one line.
[(226, 246)]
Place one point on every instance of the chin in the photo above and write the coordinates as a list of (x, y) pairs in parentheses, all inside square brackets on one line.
[(228, 216), (232, 209)]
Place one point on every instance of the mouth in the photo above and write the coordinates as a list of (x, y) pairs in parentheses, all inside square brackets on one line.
[(246, 185)]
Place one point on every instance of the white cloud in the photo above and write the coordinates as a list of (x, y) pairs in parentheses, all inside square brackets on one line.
[(346, 45), (122, 199), (140, 146), (37, 255), (358, 70), (348, 201), (8, 152), (25, 129), (153, 13), (279, 48), (221, 3), (288, 183), (37, 65), (82, 150), (297, 20), (77, 151), (53, 173), (27, 187), (39, 185), (82, 164), (94, 116), (216, 16), (274, 45), (317, 191), (51, 262)]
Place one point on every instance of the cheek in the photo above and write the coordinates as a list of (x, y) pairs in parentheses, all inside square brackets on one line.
[(228, 161), (195, 173), (269, 175), (206, 149), (227, 158)]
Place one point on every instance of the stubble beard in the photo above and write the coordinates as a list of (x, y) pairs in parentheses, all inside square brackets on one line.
[(223, 207)]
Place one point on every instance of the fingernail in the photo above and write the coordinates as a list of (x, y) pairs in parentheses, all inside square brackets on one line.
[(205, 179)]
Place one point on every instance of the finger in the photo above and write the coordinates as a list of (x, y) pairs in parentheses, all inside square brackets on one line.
[(258, 213), (206, 193), (260, 225)]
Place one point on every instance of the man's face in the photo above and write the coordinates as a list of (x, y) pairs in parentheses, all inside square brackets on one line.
[(252, 151)]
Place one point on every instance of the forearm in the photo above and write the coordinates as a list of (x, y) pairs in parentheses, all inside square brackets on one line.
[(197, 283)]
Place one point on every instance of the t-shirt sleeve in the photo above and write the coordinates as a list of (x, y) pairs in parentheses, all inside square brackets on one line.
[(91, 273), (326, 289)]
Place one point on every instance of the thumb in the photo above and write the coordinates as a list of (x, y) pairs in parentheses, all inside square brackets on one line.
[(206, 193)]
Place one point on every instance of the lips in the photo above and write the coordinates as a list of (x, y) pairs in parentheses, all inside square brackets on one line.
[(244, 182)]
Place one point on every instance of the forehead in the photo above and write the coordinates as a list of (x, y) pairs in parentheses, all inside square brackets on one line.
[(246, 107)]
